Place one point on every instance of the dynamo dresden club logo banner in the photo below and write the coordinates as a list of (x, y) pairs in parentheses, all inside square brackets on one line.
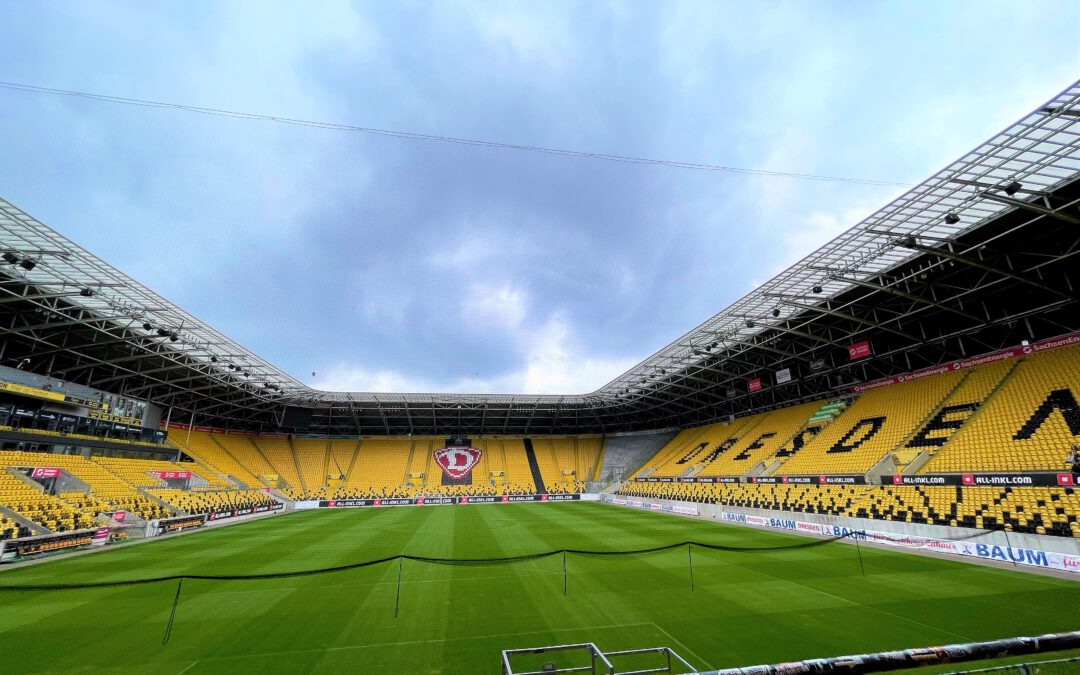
[(457, 462)]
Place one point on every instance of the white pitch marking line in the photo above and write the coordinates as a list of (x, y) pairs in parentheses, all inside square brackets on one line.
[(190, 666), (420, 642), (689, 651)]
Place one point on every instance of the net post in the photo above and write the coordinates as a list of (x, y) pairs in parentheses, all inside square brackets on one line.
[(1008, 544), (564, 572), (690, 557), (172, 612), (858, 549), (397, 595)]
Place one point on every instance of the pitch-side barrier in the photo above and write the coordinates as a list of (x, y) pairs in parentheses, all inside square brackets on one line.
[(907, 659), (958, 546)]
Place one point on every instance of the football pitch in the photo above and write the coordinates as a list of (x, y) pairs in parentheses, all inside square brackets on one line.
[(745, 607)]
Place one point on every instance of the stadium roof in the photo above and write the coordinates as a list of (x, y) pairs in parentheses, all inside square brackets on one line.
[(976, 257)]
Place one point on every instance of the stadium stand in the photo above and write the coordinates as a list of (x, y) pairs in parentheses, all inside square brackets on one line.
[(1034, 510), (674, 450), (312, 460), (621, 455), (136, 471), (872, 427), (382, 467), (207, 502), (565, 462), (207, 449), (105, 486), (1006, 415), (10, 529), (1011, 415), (519, 479), (397, 468), (271, 452), (51, 513), (732, 449), (1041, 510), (341, 455), (1028, 422), (956, 410), (114, 484), (831, 500)]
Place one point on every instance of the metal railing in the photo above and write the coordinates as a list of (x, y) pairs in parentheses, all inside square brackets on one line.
[(600, 662), (1054, 667)]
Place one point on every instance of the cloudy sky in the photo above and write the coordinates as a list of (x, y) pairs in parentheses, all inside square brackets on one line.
[(384, 263)]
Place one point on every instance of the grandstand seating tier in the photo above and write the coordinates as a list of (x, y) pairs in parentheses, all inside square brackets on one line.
[(1042, 510), (1028, 424)]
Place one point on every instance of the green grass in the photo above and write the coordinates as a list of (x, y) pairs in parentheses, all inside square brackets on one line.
[(747, 607)]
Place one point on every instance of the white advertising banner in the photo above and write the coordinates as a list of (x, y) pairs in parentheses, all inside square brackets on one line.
[(969, 548)]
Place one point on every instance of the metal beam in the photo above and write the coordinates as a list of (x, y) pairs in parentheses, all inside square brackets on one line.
[(1028, 206)]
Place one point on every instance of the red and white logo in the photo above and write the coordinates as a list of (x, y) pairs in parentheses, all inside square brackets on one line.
[(119, 516), (378, 502), (332, 503), (45, 472), (457, 462), (171, 475), (821, 479), (967, 479), (505, 498), (1066, 479), (897, 480), (859, 350), (465, 499)]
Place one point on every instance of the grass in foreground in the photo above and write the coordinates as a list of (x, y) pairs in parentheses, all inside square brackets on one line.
[(747, 607)]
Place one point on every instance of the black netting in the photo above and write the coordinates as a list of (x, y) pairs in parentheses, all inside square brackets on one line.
[(507, 560)]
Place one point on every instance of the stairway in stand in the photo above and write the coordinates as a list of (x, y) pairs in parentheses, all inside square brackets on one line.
[(534, 467)]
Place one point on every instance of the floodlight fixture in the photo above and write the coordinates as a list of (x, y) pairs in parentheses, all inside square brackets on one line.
[(28, 264), (817, 288), (951, 218), (10, 257), (1013, 187)]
